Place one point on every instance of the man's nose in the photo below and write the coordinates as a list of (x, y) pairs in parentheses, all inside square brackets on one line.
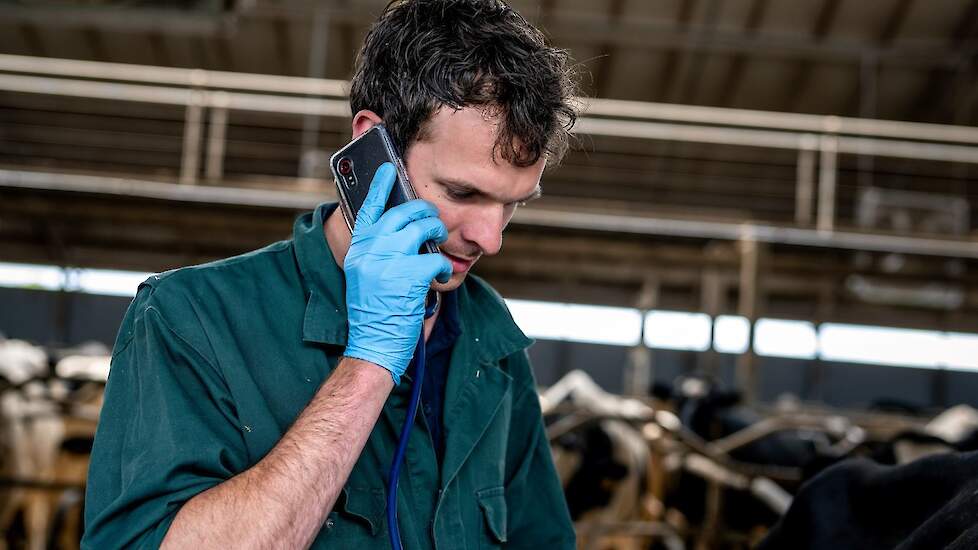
[(486, 229)]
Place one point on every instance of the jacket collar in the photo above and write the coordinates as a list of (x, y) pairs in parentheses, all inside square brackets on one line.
[(477, 387), (323, 281), (485, 323)]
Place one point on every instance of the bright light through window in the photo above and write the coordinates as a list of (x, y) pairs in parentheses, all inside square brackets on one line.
[(781, 338), (537, 319), (880, 345), (577, 323), (623, 326), (605, 325), (31, 276), (677, 330), (110, 282), (960, 351), (90, 281), (731, 334)]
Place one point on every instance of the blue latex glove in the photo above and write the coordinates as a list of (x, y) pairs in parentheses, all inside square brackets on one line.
[(387, 279)]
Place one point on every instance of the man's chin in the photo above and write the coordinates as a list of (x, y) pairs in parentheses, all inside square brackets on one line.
[(453, 283)]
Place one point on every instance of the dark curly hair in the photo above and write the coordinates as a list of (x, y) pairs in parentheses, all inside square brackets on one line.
[(421, 55)]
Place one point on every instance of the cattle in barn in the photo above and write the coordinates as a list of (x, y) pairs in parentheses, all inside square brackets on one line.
[(20, 362), (602, 462), (30, 435), (955, 429), (927, 504), (48, 423), (83, 371), (713, 413), (604, 483), (602, 479)]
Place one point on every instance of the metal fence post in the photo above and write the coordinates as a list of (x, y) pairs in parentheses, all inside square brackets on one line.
[(805, 182), (828, 177), (216, 138), (749, 303), (639, 373), (192, 130)]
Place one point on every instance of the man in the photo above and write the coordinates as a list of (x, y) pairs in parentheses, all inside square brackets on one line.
[(254, 402)]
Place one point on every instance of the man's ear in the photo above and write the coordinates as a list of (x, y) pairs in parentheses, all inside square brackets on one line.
[(363, 121)]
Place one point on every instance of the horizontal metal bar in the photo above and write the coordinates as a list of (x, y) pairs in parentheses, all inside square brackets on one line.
[(95, 90), (531, 216), (290, 105), (695, 114), (174, 96), (691, 114), (587, 125), (673, 227), (150, 74), (645, 129), (908, 149), (150, 189)]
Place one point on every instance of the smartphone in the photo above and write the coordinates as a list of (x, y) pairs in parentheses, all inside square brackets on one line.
[(354, 167)]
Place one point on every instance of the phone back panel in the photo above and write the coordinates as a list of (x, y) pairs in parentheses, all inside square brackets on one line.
[(366, 154)]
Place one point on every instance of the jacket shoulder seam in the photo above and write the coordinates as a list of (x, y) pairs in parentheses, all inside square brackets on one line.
[(181, 338)]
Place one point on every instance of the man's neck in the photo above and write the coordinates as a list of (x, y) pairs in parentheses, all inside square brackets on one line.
[(338, 239), (337, 236)]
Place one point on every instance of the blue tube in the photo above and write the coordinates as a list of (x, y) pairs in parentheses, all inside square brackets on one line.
[(412, 411)]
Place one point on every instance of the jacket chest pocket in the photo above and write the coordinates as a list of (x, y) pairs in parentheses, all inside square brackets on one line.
[(492, 504), (359, 518)]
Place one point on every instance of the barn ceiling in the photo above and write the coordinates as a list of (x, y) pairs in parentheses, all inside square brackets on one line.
[(890, 59)]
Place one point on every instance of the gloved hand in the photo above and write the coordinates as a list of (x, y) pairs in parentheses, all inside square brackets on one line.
[(387, 279)]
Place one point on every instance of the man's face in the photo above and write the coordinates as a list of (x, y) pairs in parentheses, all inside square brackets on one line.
[(476, 194)]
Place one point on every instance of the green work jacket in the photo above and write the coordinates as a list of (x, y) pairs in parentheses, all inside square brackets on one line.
[(213, 363)]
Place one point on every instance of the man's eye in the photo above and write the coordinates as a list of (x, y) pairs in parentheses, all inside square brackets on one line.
[(460, 195)]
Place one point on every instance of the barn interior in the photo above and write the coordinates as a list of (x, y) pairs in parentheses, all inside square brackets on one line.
[(756, 260)]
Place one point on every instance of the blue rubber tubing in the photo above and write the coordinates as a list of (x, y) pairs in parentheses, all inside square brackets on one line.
[(412, 412)]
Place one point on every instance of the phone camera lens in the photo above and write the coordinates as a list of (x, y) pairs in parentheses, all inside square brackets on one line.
[(345, 166)]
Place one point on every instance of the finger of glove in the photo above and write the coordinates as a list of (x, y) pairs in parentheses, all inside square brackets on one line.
[(380, 190), (425, 267), (404, 214), (418, 232)]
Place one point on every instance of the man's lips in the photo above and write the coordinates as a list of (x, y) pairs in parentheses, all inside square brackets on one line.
[(459, 265)]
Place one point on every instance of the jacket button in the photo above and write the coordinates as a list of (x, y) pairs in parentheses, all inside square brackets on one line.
[(329, 524)]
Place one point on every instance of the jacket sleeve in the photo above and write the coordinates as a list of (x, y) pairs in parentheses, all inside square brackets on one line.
[(167, 432), (536, 507)]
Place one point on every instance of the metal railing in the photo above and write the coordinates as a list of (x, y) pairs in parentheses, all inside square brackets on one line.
[(818, 140)]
